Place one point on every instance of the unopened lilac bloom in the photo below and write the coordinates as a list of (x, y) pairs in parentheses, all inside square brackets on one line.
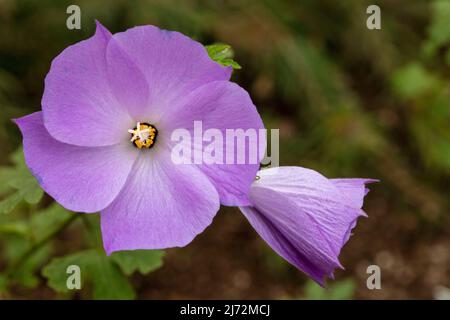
[(102, 140), (305, 217)]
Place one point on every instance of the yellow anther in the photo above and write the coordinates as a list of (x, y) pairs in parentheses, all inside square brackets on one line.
[(143, 135)]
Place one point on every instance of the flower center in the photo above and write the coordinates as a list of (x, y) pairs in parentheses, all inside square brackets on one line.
[(143, 135)]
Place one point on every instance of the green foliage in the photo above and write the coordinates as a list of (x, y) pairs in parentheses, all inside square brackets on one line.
[(28, 242), (3, 283), (143, 261), (107, 281), (25, 275), (44, 221), (222, 54), (447, 57), (17, 184), (431, 131), (106, 274), (428, 100), (338, 290), (21, 235), (413, 81), (439, 29)]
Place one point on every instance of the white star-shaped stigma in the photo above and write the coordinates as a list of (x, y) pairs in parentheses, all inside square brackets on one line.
[(138, 133)]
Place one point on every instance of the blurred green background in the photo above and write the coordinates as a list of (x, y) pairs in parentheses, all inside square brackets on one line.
[(349, 102)]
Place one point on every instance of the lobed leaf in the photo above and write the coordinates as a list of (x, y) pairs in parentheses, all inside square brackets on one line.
[(106, 279), (19, 185), (143, 261)]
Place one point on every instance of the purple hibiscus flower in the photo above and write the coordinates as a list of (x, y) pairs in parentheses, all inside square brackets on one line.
[(102, 140), (305, 217)]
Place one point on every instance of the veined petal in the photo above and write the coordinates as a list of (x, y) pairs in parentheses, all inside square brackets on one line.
[(304, 216), (172, 64), (83, 179), (162, 205), (126, 80), (227, 109), (354, 189), (78, 104)]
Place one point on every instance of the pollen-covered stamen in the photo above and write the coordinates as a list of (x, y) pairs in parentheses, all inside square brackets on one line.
[(143, 135)]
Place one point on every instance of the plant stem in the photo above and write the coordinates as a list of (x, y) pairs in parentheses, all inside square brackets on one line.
[(91, 232), (17, 265)]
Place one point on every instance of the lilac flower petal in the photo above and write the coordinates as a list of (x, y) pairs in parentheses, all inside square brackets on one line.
[(221, 105), (78, 105), (83, 179), (126, 80), (353, 189), (304, 217), (162, 205), (295, 253), (172, 63)]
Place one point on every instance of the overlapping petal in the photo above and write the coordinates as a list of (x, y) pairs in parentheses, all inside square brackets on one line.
[(224, 107), (173, 65), (83, 179), (78, 104), (127, 81), (305, 217), (354, 189), (162, 205)]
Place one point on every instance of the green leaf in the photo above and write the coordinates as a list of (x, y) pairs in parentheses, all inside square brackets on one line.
[(10, 202), (107, 280), (45, 221), (55, 271), (439, 29), (15, 246), (228, 62), (3, 284), (218, 50), (413, 81), (19, 227), (18, 184), (342, 290), (143, 261), (222, 54), (432, 125), (20, 235)]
